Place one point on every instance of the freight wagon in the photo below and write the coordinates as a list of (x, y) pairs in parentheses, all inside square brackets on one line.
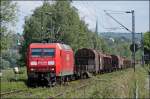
[(91, 61)]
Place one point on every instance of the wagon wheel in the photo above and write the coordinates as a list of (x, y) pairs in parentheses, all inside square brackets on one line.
[(67, 80), (62, 80), (53, 81), (84, 76)]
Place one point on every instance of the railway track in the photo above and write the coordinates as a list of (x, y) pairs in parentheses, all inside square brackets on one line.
[(76, 85), (84, 84), (12, 92), (68, 91), (72, 86)]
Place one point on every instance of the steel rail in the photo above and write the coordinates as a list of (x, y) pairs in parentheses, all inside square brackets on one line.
[(12, 92)]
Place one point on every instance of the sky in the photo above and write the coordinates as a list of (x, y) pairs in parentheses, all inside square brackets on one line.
[(92, 11)]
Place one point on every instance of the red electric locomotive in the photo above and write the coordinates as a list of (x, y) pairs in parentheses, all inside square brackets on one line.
[(48, 62)]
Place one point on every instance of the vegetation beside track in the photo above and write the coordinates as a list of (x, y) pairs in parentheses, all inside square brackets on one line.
[(118, 84)]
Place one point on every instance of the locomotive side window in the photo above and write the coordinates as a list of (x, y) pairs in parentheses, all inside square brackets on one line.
[(48, 52), (36, 52)]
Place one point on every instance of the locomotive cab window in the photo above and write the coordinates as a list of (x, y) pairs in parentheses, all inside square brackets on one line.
[(48, 52), (37, 52)]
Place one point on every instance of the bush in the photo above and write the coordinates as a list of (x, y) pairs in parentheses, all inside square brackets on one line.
[(10, 56), (4, 64)]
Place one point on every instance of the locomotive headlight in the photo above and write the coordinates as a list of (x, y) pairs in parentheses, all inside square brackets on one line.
[(51, 63), (32, 69), (52, 69), (33, 63)]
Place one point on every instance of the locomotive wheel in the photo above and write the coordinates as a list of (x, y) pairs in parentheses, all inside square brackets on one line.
[(51, 82), (31, 83), (62, 80)]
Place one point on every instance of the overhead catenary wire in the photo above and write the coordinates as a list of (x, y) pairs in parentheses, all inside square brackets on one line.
[(116, 11), (102, 25), (109, 27), (93, 15), (117, 21), (93, 12)]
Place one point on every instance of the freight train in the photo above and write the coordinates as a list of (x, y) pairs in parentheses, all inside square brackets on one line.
[(52, 63)]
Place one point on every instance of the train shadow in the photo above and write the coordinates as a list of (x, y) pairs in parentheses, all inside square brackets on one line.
[(25, 81), (18, 80)]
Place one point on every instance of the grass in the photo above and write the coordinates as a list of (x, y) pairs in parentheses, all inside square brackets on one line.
[(8, 80), (143, 82), (117, 84)]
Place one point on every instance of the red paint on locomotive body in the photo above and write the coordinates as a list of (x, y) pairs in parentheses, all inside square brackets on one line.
[(50, 57)]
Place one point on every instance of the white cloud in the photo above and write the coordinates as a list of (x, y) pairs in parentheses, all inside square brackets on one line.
[(88, 13), (25, 9)]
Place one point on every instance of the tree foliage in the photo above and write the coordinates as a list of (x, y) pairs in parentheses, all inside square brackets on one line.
[(4, 64), (59, 18), (8, 11), (147, 40), (11, 56)]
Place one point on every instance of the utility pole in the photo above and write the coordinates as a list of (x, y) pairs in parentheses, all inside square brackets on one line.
[(133, 38), (133, 52), (133, 42)]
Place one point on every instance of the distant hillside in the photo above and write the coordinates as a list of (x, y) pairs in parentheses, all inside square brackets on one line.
[(121, 36), (118, 43)]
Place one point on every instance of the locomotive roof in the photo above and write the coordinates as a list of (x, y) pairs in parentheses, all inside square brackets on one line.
[(61, 46)]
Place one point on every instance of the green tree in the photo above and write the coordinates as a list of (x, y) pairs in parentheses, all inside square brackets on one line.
[(147, 40), (61, 19), (8, 11), (8, 15), (4, 63), (11, 56)]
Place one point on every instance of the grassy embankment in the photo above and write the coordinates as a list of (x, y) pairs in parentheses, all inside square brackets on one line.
[(119, 84)]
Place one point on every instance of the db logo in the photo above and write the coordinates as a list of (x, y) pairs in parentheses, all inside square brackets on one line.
[(42, 62)]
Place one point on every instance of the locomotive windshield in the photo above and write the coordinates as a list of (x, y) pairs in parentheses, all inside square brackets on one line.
[(48, 52), (37, 52)]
